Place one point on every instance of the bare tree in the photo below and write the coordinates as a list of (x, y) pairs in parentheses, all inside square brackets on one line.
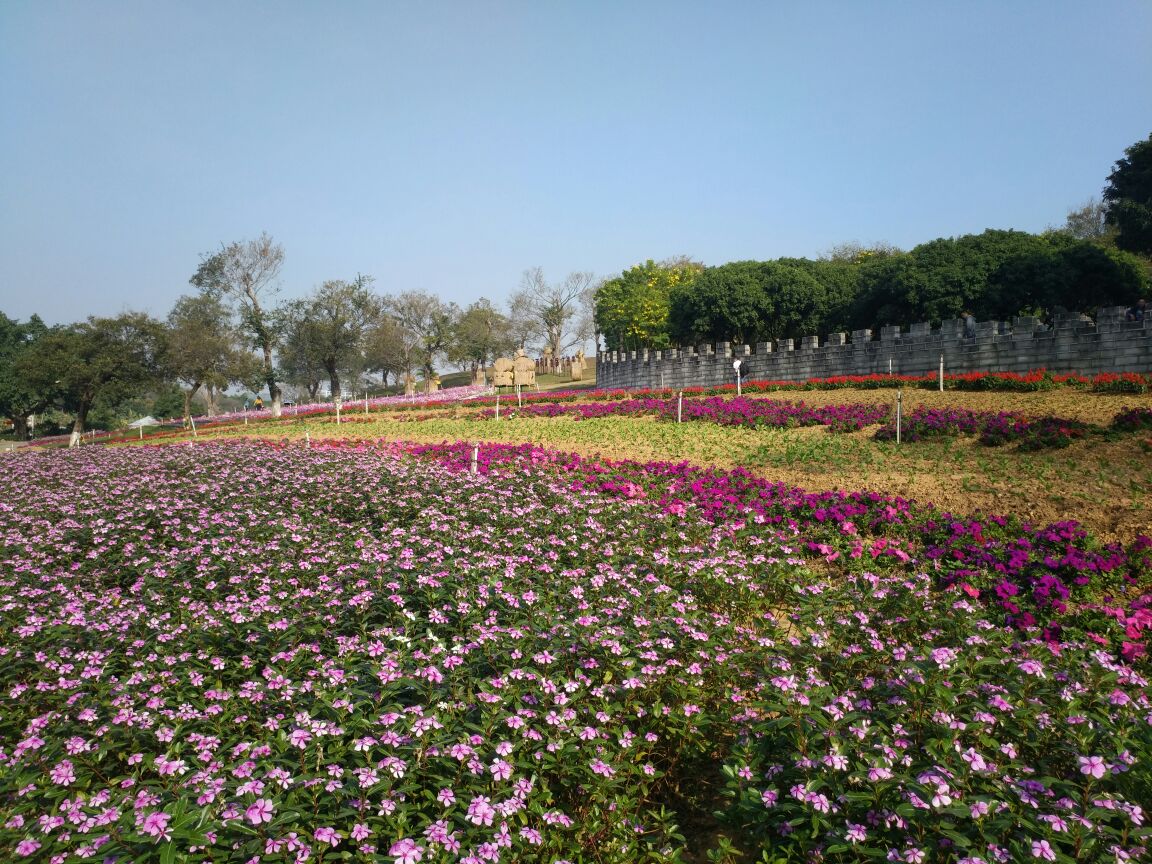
[(557, 314), (244, 273)]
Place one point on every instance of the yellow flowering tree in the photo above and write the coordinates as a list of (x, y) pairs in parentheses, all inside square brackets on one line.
[(632, 309)]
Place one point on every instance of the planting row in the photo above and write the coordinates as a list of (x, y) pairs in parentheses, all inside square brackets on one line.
[(994, 428)]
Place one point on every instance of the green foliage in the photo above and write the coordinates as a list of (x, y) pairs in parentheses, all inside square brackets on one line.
[(19, 396), (1128, 196), (110, 359), (996, 275), (480, 335), (632, 310), (746, 302)]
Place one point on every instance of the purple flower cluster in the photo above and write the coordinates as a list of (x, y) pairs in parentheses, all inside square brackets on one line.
[(994, 428), (736, 411)]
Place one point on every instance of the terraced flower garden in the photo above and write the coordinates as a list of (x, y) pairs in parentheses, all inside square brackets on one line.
[(319, 645)]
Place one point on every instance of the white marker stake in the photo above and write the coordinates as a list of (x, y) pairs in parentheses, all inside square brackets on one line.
[(899, 412), (941, 373), (736, 366), (307, 439), (497, 406), (365, 403), (141, 433), (473, 466), (193, 421), (680, 408)]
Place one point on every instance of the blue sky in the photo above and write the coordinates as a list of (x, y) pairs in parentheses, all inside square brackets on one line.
[(448, 146)]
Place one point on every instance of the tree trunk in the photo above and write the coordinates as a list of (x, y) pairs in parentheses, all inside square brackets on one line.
[(188, 395), (333, 380), (20, 427), (210, 391), (78, 426), (314, 391), (274, 395)]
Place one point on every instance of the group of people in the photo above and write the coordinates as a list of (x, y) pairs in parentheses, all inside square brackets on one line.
[(1137, 312)]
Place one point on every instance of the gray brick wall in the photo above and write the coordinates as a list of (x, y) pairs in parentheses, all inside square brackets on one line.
[(1110, 344)]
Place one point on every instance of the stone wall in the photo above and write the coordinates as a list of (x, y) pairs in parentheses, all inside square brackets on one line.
[(1070, 344)]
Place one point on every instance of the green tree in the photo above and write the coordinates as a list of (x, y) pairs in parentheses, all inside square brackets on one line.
[(340, 315), (480, 335), (631, 311), (202, 350), (299, 348), (745, 302), (840, 281), (20, 397), (244, 274), (943, 278), (425, 323), (1128, 197), (102, 358)]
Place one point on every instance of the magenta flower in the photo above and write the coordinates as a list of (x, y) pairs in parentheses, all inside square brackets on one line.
[(326, 834), (1041, 849)]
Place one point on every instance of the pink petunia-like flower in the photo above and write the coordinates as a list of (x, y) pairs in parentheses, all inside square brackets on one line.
[(26, 847), (260, 810), (1041, 849), (327, 834)]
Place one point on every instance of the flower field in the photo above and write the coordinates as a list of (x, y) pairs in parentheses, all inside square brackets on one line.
[(255, 651)]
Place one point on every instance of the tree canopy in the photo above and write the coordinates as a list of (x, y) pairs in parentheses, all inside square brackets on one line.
[(1128, 197), (631, 310)]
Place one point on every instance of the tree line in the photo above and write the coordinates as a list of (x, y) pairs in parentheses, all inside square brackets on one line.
[(1099, 257), (235, 332)]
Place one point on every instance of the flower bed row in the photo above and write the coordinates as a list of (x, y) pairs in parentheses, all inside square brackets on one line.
[(1016, 382), (1033, 573), (739, 411), (253, 652)]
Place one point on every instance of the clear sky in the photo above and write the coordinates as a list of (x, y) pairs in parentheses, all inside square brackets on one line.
[(448, 146)]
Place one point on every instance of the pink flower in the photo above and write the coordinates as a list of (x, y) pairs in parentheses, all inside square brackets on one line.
[(1041, 849), (27, 847), (259, 811), (1093, 766), (360, 831), (62, 774), (325, 834), (155, 824), (446, 797), (406, 851)]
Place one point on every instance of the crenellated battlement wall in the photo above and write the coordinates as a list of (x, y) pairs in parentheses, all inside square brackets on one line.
[(1070, 344)]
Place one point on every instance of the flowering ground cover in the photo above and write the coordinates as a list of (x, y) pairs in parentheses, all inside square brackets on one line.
[(256, 652), (737, 411)]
